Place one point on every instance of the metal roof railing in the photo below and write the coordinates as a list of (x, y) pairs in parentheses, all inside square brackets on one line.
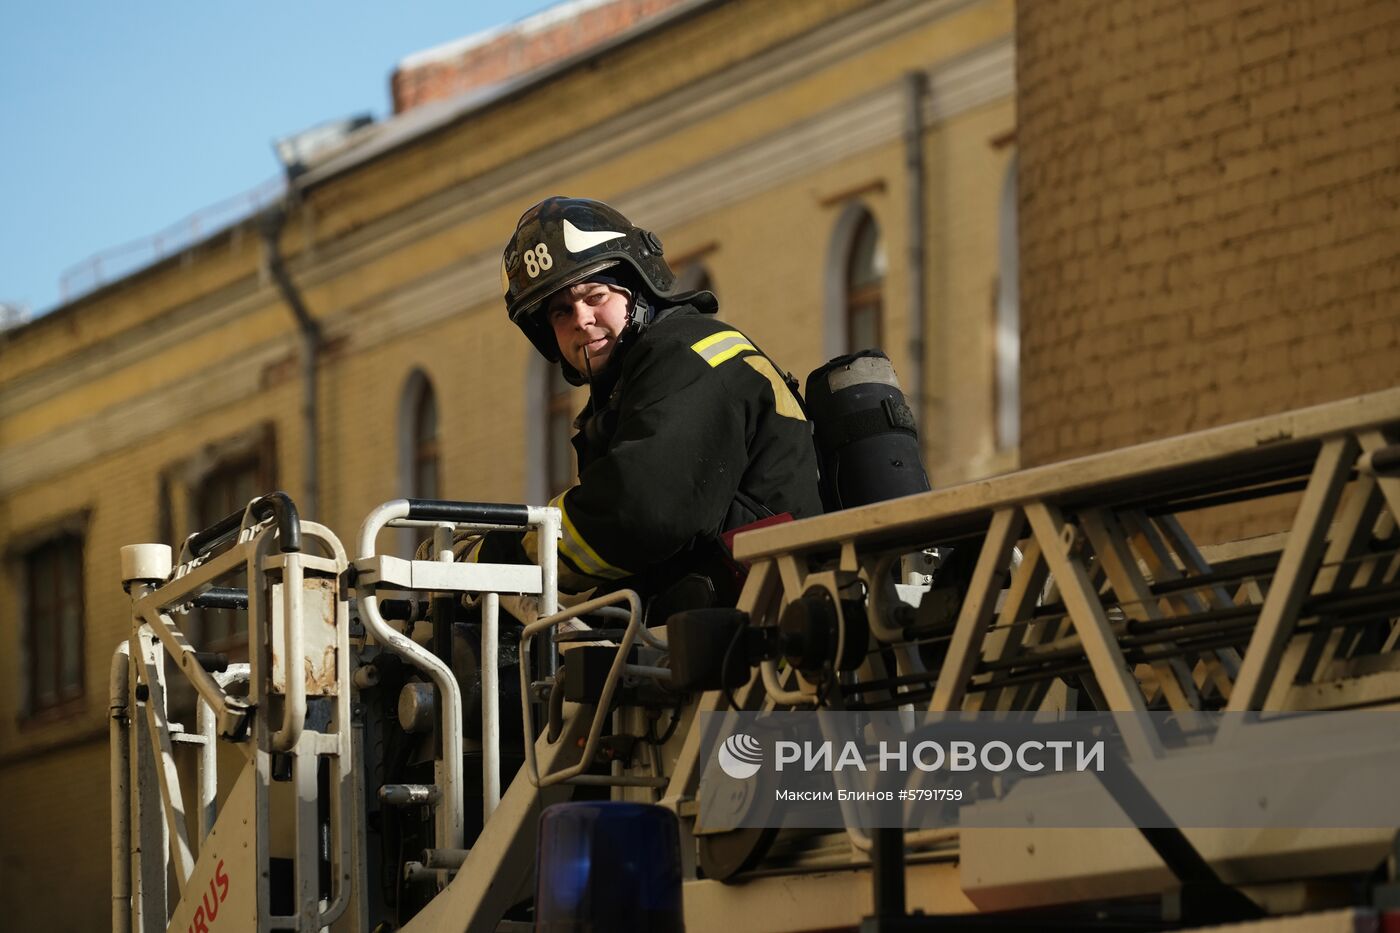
[(121, 261)]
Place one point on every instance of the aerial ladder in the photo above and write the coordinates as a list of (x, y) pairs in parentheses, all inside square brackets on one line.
[(355, 773)]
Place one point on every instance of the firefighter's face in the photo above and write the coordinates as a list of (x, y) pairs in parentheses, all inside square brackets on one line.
[(587, 319)]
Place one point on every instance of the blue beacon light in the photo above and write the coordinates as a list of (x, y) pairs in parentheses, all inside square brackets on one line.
[(608, 865)]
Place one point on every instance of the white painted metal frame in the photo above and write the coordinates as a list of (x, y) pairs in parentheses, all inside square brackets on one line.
[(146, 738), (446, 575)]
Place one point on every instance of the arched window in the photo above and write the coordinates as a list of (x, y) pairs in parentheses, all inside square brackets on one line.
[(51, 621), (855, 279), (694, 277), (227, 487), (560, 469), (420, 459), (425, 444), (1008, 319), (865, 281), (212, 481)]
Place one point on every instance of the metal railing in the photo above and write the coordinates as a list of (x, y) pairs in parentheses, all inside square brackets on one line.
[(118, 262)]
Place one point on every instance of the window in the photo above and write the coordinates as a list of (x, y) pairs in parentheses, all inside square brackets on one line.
[(419, 450), (551, 404), (222, 479), (225, 489), (694, 277), (855, 280), (215, 480), (53, 594), (560, 469), (424, 474), (1008, 320), (865, 279)]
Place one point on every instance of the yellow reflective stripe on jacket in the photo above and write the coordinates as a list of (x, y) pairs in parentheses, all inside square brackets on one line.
[(577, 550), (725, 345)]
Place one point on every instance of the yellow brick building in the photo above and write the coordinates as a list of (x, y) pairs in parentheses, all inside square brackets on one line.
[(1209, 221), (766, 141)]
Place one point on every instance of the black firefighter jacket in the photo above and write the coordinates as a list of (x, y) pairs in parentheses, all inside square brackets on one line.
[(697, 434)]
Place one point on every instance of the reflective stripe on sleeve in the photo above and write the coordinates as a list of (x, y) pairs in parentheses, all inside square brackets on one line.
[(577, 551), (725, 345)]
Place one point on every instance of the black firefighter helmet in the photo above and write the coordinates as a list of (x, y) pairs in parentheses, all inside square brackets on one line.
[(562, 241)]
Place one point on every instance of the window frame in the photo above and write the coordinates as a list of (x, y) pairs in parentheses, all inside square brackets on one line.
[(841, 298), (559, 403), (694, 276), (1006, 317), (67, 699), (182, 487), (229, 468), (424, 451), (868, 297)]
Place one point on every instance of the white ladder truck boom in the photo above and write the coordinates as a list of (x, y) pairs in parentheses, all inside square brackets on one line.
[(383, 757)]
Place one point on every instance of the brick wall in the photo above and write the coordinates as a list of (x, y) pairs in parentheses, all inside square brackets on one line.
[(55, 861), (1210, 213), (499, 55)]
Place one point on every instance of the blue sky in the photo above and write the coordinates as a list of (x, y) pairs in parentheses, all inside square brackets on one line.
[(119, 119)]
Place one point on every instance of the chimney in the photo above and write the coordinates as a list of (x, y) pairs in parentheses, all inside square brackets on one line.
[(516, 49)]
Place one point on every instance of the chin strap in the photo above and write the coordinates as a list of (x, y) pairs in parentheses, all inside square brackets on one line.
[(642, 310)]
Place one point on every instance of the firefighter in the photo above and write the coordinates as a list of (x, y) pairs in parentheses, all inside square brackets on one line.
[(690, 430)]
